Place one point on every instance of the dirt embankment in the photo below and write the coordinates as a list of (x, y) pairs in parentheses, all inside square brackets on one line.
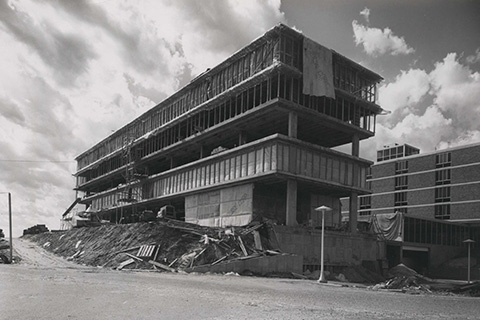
[(177, 244)]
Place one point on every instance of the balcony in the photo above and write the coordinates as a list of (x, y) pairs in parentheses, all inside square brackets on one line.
[(275, 157)]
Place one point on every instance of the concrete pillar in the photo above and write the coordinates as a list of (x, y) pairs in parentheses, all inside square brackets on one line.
[(353, 214), (355, 145), (292, 124), (291, 219), (173, 163), (242, 137)]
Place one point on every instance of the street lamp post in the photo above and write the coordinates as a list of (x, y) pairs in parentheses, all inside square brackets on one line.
[(322, 209), (469, 241)]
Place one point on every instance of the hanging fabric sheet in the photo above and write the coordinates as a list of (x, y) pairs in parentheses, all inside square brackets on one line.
[(388, 226), (317, 70)]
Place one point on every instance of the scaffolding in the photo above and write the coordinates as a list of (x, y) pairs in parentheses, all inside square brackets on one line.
[(130, 193)]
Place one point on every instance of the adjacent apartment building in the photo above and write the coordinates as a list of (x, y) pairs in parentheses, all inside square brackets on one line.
[(439, 195), (442, 185), (250, 137)]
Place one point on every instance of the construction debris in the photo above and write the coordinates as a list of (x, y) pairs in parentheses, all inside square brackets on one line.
[(4, 244), (4, 247), (125, 263), (164, 244), (39, 228), (471, 289), (406, 280)]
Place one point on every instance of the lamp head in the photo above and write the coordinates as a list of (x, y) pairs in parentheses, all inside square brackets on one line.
[(323, 208)]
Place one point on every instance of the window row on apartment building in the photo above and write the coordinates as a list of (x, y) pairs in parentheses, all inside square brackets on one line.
[(441, 185), (396, 152)]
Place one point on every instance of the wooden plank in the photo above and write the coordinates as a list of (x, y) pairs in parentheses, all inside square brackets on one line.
[(161, 266), (171, 264), (133, 257), (242, 246), (219, 260), (125, 263), (258, 240)]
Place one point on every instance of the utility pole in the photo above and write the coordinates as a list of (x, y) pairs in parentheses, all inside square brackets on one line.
[(10, 222)]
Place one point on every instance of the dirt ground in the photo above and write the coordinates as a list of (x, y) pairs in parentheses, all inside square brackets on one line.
[(43, 286)]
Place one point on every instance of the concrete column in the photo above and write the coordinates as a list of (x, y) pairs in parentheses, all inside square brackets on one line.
[(355, 145), (353, 214), (242, 137), (173, 163), (292, 124), (291, 218)]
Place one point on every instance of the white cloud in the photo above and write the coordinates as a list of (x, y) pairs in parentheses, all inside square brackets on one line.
[(407, 90), (73, 71), (376, 41), (366, 14), (456, 90), (423, 131), (452, 116), (464, 138), (474, 58)]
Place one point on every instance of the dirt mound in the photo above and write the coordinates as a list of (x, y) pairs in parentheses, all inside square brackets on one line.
[(165, 242)]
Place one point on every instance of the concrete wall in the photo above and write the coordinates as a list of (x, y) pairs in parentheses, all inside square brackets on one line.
[(341, 248), (231, 206), (261, 265), (441, 254)]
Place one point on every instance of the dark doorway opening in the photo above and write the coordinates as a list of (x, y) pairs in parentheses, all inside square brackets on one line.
[(417, 260), (394, 255)]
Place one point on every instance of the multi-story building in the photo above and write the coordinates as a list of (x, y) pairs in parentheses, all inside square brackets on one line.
[(442, 185), (439, 196), (251, 136)]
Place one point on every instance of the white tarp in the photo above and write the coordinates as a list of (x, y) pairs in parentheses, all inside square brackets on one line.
[(317, 70), (388, 226)]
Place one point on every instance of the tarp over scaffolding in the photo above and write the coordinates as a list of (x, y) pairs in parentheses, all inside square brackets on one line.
[(317, 70), (388, 226)]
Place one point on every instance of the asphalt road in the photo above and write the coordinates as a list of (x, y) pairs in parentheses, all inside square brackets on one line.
[(47, 287)]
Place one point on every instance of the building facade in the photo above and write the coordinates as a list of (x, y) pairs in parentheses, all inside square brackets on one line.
[(250, 137), (440, 185), (438, 194)]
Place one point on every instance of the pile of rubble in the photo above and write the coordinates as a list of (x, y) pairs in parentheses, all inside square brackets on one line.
[(404, 279), (353, 274), (164, 244), (4, 251), (39, 228)]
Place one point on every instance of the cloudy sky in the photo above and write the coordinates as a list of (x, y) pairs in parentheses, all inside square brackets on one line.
[(74, 71)]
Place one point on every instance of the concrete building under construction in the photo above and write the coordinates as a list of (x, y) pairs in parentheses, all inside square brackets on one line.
[(250, 137)]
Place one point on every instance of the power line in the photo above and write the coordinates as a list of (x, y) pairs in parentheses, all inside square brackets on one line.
[(16, 160)]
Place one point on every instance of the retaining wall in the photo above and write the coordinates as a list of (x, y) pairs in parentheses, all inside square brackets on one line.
[(341, 249)]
